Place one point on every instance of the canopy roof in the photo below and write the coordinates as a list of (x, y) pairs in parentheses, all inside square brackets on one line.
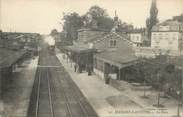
[(117, 58), (9, 57)]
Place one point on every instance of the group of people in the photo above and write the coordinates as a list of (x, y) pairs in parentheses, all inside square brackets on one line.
[(79, 68)]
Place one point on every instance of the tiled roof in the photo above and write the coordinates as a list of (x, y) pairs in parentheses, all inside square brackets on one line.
[(92, 29), (118, 57), (114, 35), (171, 23), (96, 37), (9, 57)]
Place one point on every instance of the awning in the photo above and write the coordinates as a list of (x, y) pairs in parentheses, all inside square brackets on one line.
[(120, 59)]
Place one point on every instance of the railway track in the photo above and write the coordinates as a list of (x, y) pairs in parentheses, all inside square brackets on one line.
[(44, 106), (54, 94)]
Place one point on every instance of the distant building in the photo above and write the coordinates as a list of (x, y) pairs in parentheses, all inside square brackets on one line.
[(137, 36), (167, 36)]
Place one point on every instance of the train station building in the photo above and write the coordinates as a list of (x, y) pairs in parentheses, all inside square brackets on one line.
[(115, 53), (102, 50)]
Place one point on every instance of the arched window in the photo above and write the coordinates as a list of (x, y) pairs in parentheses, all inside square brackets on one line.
[(113, 43)]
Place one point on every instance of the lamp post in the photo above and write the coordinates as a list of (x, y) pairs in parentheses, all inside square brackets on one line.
[(178, 103)]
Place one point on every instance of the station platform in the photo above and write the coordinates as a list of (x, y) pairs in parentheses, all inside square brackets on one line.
[(125, 101), (17, 95)]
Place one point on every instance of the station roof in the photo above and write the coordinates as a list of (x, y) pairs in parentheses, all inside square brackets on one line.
[(117, 58), (9, 57)]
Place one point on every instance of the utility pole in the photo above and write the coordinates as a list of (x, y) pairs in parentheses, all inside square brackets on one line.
[(158, 78)]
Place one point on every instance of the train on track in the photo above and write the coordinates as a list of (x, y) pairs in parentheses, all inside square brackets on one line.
[(51, 44)]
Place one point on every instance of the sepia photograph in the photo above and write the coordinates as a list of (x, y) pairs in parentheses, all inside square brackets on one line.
[(91, 58)]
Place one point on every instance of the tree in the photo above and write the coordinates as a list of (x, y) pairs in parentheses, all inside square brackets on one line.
[(1, 32), (98, 18), (72, 22), (96, 12), (152, 20), (105, 23), (54, 32)]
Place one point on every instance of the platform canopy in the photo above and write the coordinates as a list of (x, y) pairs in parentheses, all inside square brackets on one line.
[(9, 57), (117, 58)]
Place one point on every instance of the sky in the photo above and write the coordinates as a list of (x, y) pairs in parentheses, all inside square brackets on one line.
[(42, 16)]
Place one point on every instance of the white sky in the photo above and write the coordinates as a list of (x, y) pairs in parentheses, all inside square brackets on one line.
[(43, 15)]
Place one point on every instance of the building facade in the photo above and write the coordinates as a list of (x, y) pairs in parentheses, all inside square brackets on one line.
[(114, 55), (167, 36), (137, 37)]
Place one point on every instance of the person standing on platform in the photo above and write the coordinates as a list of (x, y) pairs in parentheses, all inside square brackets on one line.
[(75, 67)]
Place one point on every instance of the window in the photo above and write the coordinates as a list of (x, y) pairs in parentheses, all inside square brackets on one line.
[(154, 37), (156, 46), (113, 43), (170, 42), (154, 34), (166, 35), (174, 36), (157, 42)]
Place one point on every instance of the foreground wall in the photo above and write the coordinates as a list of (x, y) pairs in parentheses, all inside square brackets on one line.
[(1, 102)]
